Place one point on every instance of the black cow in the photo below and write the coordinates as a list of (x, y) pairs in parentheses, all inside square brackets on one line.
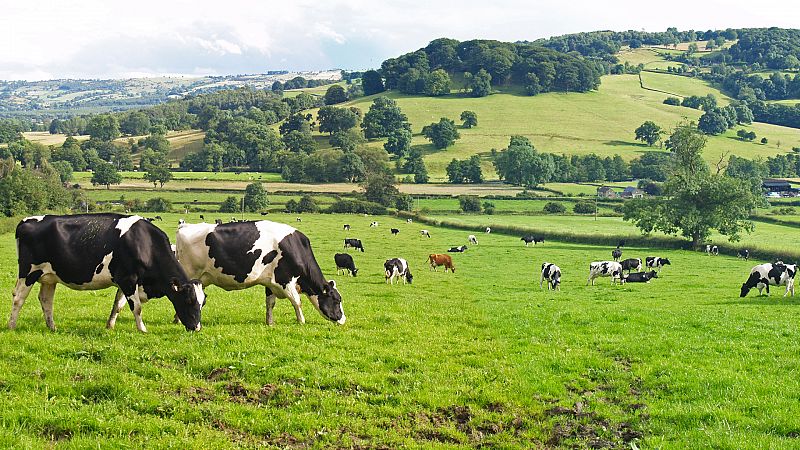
[(621, 243), (744, 253), (631, 264), (158, 218), (395, 231), (264, 213), (616, 254), (641, 277), (354, 243), (240, 255), (654, 262), (97, 251), (344, 262), (535, 239), (459, 249), (346, 227)]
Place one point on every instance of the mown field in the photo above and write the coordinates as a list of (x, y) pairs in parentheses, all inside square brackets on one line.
[(481, 357)]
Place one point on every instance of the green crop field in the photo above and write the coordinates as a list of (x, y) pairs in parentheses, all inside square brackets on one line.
[(479, 358)]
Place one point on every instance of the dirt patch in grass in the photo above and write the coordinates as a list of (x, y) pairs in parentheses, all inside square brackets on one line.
[(267, 394), (197, 394), (218, 374)]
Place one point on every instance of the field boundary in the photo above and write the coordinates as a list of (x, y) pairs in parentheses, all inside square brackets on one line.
[(666, 242)]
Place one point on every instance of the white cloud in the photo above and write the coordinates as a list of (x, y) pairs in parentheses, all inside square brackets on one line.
[(95, 38)]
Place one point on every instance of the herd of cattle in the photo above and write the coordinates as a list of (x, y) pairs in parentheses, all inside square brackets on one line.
[(97, 251)]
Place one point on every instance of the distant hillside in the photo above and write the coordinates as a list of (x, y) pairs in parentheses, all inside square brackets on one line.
[(61, 98)]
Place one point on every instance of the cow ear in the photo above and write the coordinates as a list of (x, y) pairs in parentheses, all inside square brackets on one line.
[(332, 284), (176, 285)]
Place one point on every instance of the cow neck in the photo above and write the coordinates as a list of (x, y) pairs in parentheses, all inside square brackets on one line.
[(313, 283)]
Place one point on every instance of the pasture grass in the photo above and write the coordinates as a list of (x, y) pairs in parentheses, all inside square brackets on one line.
[(481, 357)]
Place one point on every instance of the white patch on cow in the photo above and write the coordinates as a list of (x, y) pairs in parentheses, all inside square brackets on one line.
[(36, 218), (126, 223), (199, 294)]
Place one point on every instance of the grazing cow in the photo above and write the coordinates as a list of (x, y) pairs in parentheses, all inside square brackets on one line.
[(712, 250), (354, 243), (218, 221), (621, 243), (528, 239), (762, 275), (631, 264), (437, 260), (97, 251), (240, 255), (346, 227), (488, 230), (181, 222), (551, 273), (344, 263), (459, 249), (264, 213), (395, 231), (409, 220), (640, 277), (744, 253), (373, 224), (202, 218), (616, 254), (605, 269), (654, 262), (298, 219), (397, 267), (149, 219), (424, 233), (158, 218), (472, 239)]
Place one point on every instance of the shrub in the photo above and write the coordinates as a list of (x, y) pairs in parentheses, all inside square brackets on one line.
[(470, 203), (307, 204), (230, 205), (764, 140), (554, 208), (158, 204), (584, 208), (356, 207), (291, 206), (488, 208), (674, 101)]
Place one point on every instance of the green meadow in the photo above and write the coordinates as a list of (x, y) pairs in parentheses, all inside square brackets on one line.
[(477, 358)]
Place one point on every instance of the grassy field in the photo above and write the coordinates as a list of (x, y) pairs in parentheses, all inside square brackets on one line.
[(481, 357), (682, 86)]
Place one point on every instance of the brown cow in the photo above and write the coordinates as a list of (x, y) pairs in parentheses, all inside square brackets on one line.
[(437, 260)]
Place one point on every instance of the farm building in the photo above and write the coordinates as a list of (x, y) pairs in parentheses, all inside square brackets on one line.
[(778, 188), (606, 192), (632, 192)]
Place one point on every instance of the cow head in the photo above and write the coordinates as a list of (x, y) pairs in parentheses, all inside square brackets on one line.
[(652, 274), (188, 299), (665, 262), (410, 277), (329, 303), (745, 290), (355, 272)]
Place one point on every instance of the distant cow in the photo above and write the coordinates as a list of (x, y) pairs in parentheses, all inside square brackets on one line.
[(218, 221), (409, 220), (472, 239), (264, 213), (744, 253), (354, 243), (763, 275), (424, 233), (640, 277), (298, 219), (181, 222), (202, 218), (459, 249), (373, 224), (654, 262), (621, 243), (616, 254), (631, 264), (712, 250), (344, 263), (395, 231), (551, 273), (397, 267), (437, 260), (241, 255), (488, 230), (346, 227), (88, 252), (158, 218), (605, 269), (528, 239)]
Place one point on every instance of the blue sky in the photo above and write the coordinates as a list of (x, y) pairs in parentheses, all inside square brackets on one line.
[(110, 39)]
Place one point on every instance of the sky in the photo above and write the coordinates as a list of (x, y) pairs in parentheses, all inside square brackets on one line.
[(48, 39)]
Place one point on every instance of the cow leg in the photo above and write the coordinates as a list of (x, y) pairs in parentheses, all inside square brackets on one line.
[(21, 291), (294, 297), (119, 303), (137, 309), (270, 301), (46, 294)]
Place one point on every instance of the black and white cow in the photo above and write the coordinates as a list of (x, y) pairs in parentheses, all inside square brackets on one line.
[(397, 267), (712, 250), (409, 220), (395, 231), (528, 239), (611, 269), (240, 255), (763, 275), (459, 249), (640, 277), (655, 262), (425, 233), (354, 243), (631, 264), (488, 230), (373, 224), (616, 254), (344, 263), (744, 253), (472, 239), (97, 251), (218, 221), (346, 227), (551, 273)]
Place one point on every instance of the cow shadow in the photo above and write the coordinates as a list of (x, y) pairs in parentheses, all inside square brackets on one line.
[(762, 300)]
